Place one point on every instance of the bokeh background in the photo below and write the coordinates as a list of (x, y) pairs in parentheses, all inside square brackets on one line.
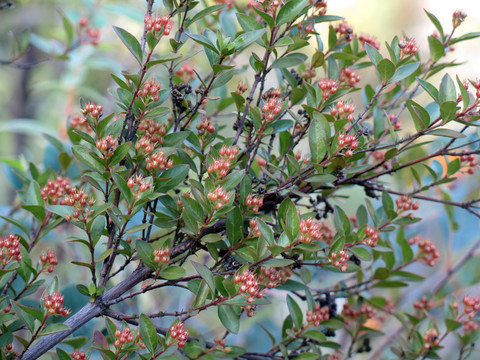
[(41, 99)]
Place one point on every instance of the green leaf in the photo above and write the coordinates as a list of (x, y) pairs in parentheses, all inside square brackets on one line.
[(193, 207), (123, 187), (289, 11), (207, 11), (404, 71), (171, 178), (145, 251), (447, 90), (235, 226), (202, 40), (385, 69), (229, 318), (429, 88), (464, 93), (361, 253), (318, 59), (24, 316), (130, 42), (420, 116), (452, 324), (342, 223), (119, 153), (97, 228), (295, 312), (148, 333), (206, 275), (317, 138), (288, 217), (435, 22), (289, 61), (163, 59), (245, 39), (54, 328), (84, 155), (172, 272), (373, 54), (223, 79), (447, 133), (436, 48), (62, 354), (448, 110)]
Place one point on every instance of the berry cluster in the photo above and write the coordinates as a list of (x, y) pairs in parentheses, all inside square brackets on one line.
[(220, 343), (152, 130), (219, 196), (305, 30), (372, 236), (78, 355), (122, 337), (430, 338), (54, 304), (395, 121), (254, 202), (471, 305), (253, 229), (241, 88), (423, 304), (369, 39), (158, 161), (145, 144), (79, 200), (10, 350), (470, 162), (347, 141), (248, 288), (310, 230), (178, 332), (328, 87), (365, 310), (106, 145), (9, 250), (149, 91), (343, 110), (55, 190), (205, 125), (339, 259), (408, 47), (272, 276), (158, 25), (219, 166), (92, 109), (141, 183), (49, 260), (318, 315), (428, 250), (405, 203), (92, 35), (345, 29), (271, 107), (186, 72), (349, 77), (161, 256), (80, 123), (308, 73)]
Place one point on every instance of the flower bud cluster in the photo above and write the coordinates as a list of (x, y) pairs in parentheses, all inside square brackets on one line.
[(369, 39), (347, 141), (122, 337), (158, 161), (345, 29), (78, 355), (253, 203), (310, 230), (158, 25), (141, 184), (80, 123), (106, 145), (152, 130), (458, 17), (272, 276), (253, 229), (423, 304), (343, 110), (271, 108), (406, 203), (318, 315), (49, 260), (396, 122), (471, 305), (470, 162), (91, 109), (328, 87), (320, 6), (161, 256), (428, 250), (221, 166), (55, 190), (219, 196), (9, 250), (79, 200), (477, 87), (10, 351), (308, 73), (339, 259), (54, 304), (248, 286), (304, 161), (430, 338), (145, 144), (205, 125), (372, 236), (408, 47), (186, 72), (178, 332), (241, 88), (92, 35), (349, 77), (149, 91), (365, 310)]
